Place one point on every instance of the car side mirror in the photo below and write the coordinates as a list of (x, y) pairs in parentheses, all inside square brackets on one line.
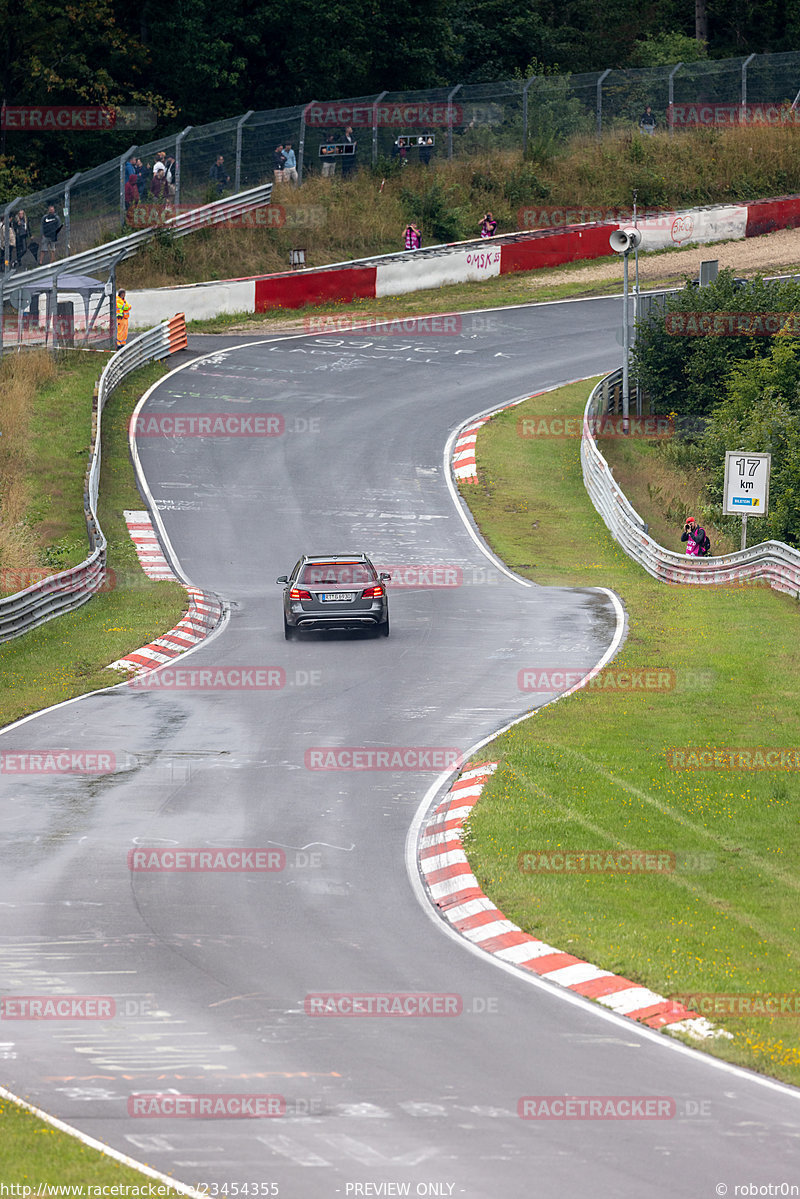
[(385, 577), (282, 579)]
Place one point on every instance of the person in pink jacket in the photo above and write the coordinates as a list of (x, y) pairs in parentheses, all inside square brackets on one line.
[(692, 547), (697, 543)]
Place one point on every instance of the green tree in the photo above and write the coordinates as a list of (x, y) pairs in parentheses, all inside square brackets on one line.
[(54, 54), (760, 412), (686, 373)]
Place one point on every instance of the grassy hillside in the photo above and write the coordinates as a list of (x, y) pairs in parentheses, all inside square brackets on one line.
[(334, 221)]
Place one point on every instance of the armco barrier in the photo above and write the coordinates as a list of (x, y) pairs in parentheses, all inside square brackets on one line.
[(70, 589), (776, 563), (460, 262), (103, 257)]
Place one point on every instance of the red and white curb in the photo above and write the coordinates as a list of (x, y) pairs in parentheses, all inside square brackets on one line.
[(464, 467), (454, 889), (201, 618)]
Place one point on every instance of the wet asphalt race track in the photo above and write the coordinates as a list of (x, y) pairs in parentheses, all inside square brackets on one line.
[(210, 970)]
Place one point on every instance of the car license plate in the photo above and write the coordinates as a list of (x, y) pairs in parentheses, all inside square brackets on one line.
[(333, 596)]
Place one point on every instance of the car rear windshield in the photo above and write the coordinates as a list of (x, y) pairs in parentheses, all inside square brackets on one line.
[(339, 574)]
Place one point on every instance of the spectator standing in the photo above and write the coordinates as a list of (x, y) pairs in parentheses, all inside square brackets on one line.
[(647, 122), (159, 184), (349, 160), (290, 166), (425, 149), (141, 177), (412, 237), (12, 245), (22, 231), (488, 225), (123, 316), (219, 175), (697, 541), (328, 160), (131, 192), (51, 227), (170, 176), (278, 163)]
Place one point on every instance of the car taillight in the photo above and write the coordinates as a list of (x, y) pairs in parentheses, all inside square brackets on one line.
[(372, 593), (299, 593)]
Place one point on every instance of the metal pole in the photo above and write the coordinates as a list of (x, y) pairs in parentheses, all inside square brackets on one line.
[(375, 129), (625, 346), (237, 175), (744, 531), (178, 141), (112, 278), (525, 116), (600, 100), (450, 121), (671, 87), (6, 224), (744, 81), (301, 149), (123, 158), (67, 190), (636, 295)]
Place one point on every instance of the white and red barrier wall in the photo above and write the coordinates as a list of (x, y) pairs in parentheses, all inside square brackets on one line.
[(399, 274)]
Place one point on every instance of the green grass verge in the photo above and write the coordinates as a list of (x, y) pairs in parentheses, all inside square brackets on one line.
[(69, 656), (35, 1153), (525, 287), (59, 440), (590, 772)]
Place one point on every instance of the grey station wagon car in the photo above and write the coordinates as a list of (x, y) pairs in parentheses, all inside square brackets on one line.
[(334, 591)]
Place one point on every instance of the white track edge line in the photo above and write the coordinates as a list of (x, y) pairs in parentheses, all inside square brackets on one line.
[(181, 1187), (437, 789), (455, 495)]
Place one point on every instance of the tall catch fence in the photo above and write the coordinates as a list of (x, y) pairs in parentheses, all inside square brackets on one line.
[(465, 119)]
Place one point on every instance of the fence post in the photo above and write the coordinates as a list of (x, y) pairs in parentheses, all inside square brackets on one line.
[(744, 80), (301, 149), (600, 100), (6, 224), (450, 121), (178, 141), (375, 129), (237, 175), (525, 116), (123, 158), (670, 104), (67, 190)]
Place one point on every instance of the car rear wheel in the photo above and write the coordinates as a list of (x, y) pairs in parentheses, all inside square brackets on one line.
[(288, 632), (384, 628)]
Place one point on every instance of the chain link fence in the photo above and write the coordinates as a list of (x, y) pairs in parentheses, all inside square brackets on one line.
[(412, 126)]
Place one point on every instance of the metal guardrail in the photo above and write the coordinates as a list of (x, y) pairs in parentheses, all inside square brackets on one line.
[(102, 258), (442, 249), (774, 561), (71, 588)]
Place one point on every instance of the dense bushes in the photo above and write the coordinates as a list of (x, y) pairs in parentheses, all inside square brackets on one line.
[(746, 387)]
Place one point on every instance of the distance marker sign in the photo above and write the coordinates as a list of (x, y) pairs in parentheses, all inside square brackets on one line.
[(746, 484)]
